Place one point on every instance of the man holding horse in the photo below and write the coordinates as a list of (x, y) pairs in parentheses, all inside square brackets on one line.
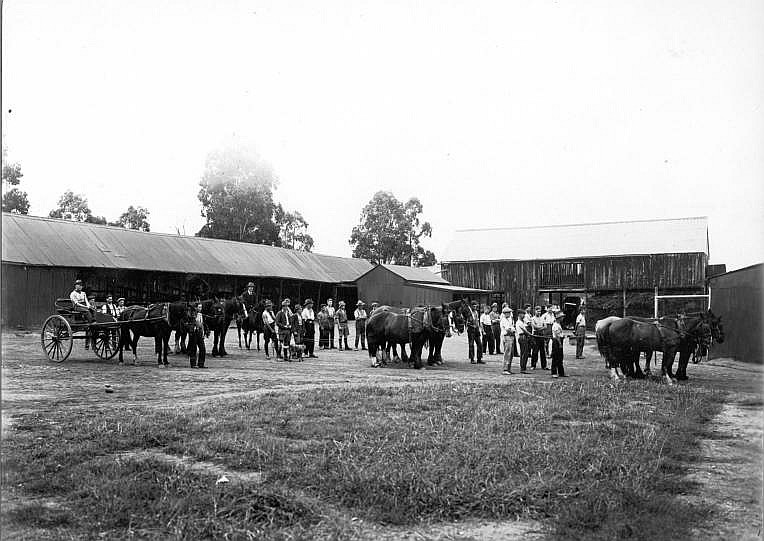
[(249, 299), (196, 339)]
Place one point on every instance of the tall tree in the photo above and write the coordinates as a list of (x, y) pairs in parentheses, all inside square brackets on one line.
[(390, 232), (293, 230), (72, 206), (237, 198), (14, 199), (135, 218)]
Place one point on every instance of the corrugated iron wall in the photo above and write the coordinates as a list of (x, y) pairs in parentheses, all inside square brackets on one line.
[(382, 286), (521, 280), (737, 297)]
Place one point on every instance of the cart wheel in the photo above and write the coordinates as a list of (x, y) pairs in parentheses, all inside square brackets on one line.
[(107, 343), (56, 338)]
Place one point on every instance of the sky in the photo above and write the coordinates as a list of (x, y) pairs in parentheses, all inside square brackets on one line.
[(492, 113)]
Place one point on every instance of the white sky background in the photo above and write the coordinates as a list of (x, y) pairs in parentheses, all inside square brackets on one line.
[(492, 113)]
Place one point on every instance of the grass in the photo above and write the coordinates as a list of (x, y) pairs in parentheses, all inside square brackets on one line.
[(590, 460)]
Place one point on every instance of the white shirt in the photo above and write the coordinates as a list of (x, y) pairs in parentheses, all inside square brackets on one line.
[(105, 308), (556, 330), (307, 314), (79, 297), (581, 320), (548, 318), (520, 327), (485, 319), (506, 324), (360, 313), (330, 311), (268, 318)]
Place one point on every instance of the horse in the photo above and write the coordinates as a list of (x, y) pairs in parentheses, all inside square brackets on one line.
[(435, 343), (252, 324), (154, 321), (710, 330), (215, 319), (178, 312), (413, 326)]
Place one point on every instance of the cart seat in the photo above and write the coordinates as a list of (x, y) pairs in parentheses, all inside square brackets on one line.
[(65, 307)]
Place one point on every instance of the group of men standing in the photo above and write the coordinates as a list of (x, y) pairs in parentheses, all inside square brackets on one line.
[(298, 326), (532, 334)]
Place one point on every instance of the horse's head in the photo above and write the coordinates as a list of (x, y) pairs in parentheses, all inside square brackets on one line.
[(716, 327)]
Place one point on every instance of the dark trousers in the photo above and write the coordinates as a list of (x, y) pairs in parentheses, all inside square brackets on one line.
[(557, 367), (196, 342), (473, 338), (537, 346), (523, 341), (271, 336), (331, 334), (580, 339), (285, 338), (360, 333), (310, 337), (488, 341), (496, 328), (323, 340)]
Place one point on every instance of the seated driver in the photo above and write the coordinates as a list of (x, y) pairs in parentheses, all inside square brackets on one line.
[(80, 301)]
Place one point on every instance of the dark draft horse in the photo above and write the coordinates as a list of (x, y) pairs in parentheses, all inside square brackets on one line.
[(435, 342), (388, 326), (251, 324), (621, 340), (152, 321)]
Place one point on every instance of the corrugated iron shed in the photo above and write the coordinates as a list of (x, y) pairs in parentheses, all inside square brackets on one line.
[(672, 236), (415, 274), (450, 288), (32, 240)]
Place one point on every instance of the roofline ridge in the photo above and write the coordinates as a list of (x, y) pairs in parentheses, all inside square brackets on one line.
[(504, 228), (160, 233)]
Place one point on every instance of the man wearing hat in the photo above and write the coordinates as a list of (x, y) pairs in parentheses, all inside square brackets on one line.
[(360, 325), (342, 326), (249, 299), (284, 326), (496, 327), (330, 321), (269, 329), (507, 327), (120, 306), (523, 340), (473, 335), (309, 326), (557, 339), (549, 319), (80, 302)]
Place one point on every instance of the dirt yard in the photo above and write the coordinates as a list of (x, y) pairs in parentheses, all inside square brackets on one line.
[(729, 472)]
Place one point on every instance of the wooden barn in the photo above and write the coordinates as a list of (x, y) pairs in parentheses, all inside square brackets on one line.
[(737, 296), (402, 286), (614, 265), (41, 258)]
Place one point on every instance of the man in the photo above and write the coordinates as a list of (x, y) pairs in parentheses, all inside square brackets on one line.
[(537, 343), (342, 326), (507, 332), (80, 303), (298, 330), (521, 331), (284, 326), (308, 322), (196, 335), (580, 333), (248, 298), (558, 371), (269, 329), (549, 319), (120, 305), (485, 325), (360, 325), (473, 335), (496, 327), (109, 308), (330, 322)]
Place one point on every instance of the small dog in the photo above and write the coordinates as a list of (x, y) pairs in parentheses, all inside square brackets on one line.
[(296, 351)]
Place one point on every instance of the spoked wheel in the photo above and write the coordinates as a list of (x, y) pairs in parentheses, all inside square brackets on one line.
[(56, 338), (107, 343)]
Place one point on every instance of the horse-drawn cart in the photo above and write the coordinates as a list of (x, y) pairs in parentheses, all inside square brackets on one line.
[(61, 330)]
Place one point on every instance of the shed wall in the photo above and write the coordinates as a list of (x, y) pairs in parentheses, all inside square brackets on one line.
[(737, 298), (385, 287)]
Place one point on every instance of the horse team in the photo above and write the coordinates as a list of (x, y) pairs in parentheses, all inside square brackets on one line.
[(621, 341)]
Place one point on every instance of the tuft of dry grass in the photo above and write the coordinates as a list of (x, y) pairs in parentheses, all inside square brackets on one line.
[(593, 460)]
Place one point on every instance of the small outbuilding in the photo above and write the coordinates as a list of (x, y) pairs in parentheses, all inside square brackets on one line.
[(401, 286), (736, 296)]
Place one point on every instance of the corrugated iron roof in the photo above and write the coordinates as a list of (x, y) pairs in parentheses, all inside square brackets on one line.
[(680, 235), (415, 274), (449, 287), (32, 240)]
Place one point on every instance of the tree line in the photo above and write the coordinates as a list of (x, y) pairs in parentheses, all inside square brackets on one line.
[(237, 203)]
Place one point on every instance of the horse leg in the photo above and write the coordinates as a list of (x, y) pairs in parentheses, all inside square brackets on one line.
[(165, 348), (638, 369), (238, 331), (177, 342), (221, 345), (666, 365), (416, 353), (405, 358), (215, 338), (684, 358), (258, 339)]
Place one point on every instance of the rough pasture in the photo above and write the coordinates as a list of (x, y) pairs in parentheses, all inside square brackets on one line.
[(330, 448)]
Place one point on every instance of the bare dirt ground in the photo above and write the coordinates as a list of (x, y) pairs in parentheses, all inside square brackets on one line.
[(730, 470)]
